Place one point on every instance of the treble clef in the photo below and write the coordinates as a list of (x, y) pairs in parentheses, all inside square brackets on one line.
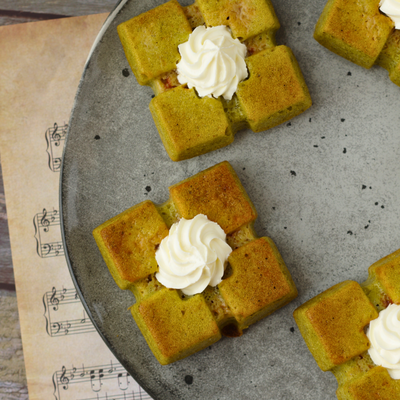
[(55, 135), (44, 221), (63, 379), (54, 300)]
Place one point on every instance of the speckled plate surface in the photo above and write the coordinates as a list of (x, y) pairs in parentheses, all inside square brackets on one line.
[(326, 186)]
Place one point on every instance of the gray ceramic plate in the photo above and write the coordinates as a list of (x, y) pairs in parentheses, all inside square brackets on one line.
[(326, 186)]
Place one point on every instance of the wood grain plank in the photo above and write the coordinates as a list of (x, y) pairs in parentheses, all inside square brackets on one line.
[(14, 20), (10, 17), (6, 268), (30, 15), (61, 7), (12, 369)]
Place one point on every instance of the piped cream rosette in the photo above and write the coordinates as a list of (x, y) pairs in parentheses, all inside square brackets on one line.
[(193, 255), (392, 9), (212, 62), (384, 335)]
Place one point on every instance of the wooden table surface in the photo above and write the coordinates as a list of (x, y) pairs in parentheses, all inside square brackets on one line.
[(12, 369)]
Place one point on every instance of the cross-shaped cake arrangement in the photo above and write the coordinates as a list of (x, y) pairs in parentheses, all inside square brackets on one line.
[(255, 282), (333, 326), (360, 32), (272, 92)]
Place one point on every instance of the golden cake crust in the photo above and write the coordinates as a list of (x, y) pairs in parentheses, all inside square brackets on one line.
[(227, 202), (141, 37), (174, 328), (275, 84), (246, 18), (257, 269), (128, 241), (375, 384), (185, 136), (358, 25), (387, 273), (360, 32), (329, 325)]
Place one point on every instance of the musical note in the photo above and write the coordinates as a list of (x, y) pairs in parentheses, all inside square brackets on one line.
[(54, 136), (123, 383), (111, 368), (65, 325), (101, 380), (83, 373)]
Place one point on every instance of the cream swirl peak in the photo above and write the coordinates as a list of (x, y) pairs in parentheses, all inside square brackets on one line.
[(193, 255), (212, 62), (392, 9), (384, 335)]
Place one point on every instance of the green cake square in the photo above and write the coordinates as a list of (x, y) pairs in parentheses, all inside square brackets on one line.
[(361, 33), (246, 18), (390, 57), (275, 91), (332, 324), (217, 193), (151, 40), (386, 273), (259, 284), (374, 384), (128, 242), (175, 328), (189, 125), (354, 30)]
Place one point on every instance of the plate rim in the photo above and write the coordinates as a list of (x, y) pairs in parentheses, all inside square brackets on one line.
[(117, 8)]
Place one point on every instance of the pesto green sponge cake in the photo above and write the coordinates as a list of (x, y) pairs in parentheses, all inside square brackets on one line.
[(336, 324), (256, 281), (190, 125), (360, 32), (389, 58)]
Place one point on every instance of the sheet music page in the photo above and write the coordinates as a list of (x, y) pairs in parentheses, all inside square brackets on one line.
[(41, 64)]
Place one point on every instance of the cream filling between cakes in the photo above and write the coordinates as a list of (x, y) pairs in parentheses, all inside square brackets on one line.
[(392, 9), (193, 255), (212, 62), (384, 335)]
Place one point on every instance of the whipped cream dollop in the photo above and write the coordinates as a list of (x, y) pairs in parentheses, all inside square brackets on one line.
[(384, 335), (392, 9), (212, 62), (193, 255)]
